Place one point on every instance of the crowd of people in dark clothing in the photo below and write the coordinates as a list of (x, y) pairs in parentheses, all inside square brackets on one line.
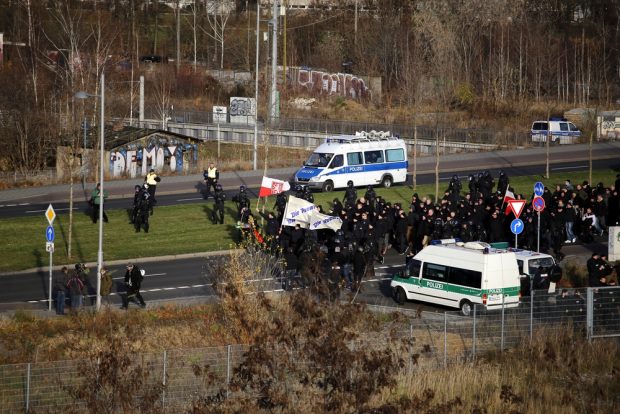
[(372, 225)]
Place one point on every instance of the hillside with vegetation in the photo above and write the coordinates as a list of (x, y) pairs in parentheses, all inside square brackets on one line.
[(480, 64)]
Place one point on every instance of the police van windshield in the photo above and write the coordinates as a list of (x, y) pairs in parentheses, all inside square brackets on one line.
[(533, 264), (318, 159)]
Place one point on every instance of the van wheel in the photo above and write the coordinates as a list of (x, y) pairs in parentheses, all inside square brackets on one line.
[(400, 296), (386, 182), (466, 308), (328, 186)]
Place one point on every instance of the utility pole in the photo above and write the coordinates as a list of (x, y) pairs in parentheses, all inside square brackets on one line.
[(283, 9), (178, 35), (273, 109), (355, 25), (255, 157)]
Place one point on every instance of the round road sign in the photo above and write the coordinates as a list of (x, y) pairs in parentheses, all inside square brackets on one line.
[(538, 203)]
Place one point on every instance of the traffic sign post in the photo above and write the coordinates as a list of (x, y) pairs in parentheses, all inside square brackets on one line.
[(50, 215), (538, 204), (516, 227)]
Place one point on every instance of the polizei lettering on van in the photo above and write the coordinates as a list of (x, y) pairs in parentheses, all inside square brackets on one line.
[(375, 158), (460, 275)]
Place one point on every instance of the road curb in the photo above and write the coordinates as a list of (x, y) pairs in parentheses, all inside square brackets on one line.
[(166, 258)]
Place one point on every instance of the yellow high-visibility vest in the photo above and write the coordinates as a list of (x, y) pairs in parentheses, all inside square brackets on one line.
[(150, 179), (211, 173)]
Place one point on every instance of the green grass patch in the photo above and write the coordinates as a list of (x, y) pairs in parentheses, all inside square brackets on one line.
[(184, 228)]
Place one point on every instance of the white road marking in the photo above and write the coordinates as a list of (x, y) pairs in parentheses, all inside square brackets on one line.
[(203, 285), (570, 168), (43, 211), (191, 199), (146, 275)]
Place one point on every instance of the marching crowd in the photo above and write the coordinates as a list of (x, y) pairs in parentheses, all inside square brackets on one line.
[(371, 225)]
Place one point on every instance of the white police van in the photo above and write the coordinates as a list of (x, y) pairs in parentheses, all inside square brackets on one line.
[(459, 275), (559, 129), (365, 159)]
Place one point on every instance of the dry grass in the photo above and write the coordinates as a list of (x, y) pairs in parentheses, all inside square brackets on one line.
[(559, 372), (25, 338)]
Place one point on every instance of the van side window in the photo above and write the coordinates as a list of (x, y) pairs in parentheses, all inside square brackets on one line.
[(373, 157), (393, 155), (337, 161), (572, 127), (433, 271), (413, 268), (540, 126), (354, 158), (563, 126), (465, 277)]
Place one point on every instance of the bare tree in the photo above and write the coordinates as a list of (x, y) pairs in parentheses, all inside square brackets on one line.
[(162, 89), (217, 13)]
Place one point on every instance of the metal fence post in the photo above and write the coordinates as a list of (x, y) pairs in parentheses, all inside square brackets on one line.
[(503, 327), (163, 392), (473, 339), (589, 313), (410, 356), (445, 339), (28, 388), (228, 369), (531, 309)]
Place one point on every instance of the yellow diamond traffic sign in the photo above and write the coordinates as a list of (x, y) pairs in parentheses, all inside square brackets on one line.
[(50, 214)]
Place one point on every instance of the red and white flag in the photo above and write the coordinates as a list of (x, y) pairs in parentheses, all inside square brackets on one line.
[(271, 186), (509, 196)]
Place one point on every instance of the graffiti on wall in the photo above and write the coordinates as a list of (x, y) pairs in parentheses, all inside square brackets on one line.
[(325, 83), (138, 157), (242, 110)]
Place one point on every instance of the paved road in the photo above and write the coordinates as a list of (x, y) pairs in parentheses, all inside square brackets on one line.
[(189, 280), (191, 190)]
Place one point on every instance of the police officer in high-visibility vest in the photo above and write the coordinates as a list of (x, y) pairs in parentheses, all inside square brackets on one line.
[(211, 176), (152, 179)]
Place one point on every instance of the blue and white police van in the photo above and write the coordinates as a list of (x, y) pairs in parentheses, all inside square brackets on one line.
[(366, 158), (560, 130)]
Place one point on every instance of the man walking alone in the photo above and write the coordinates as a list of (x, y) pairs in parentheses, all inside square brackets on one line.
[(133, 281)]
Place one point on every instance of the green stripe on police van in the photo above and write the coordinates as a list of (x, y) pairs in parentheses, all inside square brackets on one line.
[(463, 290)]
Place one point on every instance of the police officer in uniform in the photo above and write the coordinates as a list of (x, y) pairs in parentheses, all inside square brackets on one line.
[(136, 201), (142, 212), (218, 210), (242, 200), (371, 196), (308, 194), (152, 179), (211, 176), (350, 196), (299, 191)]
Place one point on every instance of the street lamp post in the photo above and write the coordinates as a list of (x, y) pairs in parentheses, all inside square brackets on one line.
[(84, 95)]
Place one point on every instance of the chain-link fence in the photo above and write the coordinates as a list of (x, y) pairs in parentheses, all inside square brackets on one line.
[(437, 339)]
